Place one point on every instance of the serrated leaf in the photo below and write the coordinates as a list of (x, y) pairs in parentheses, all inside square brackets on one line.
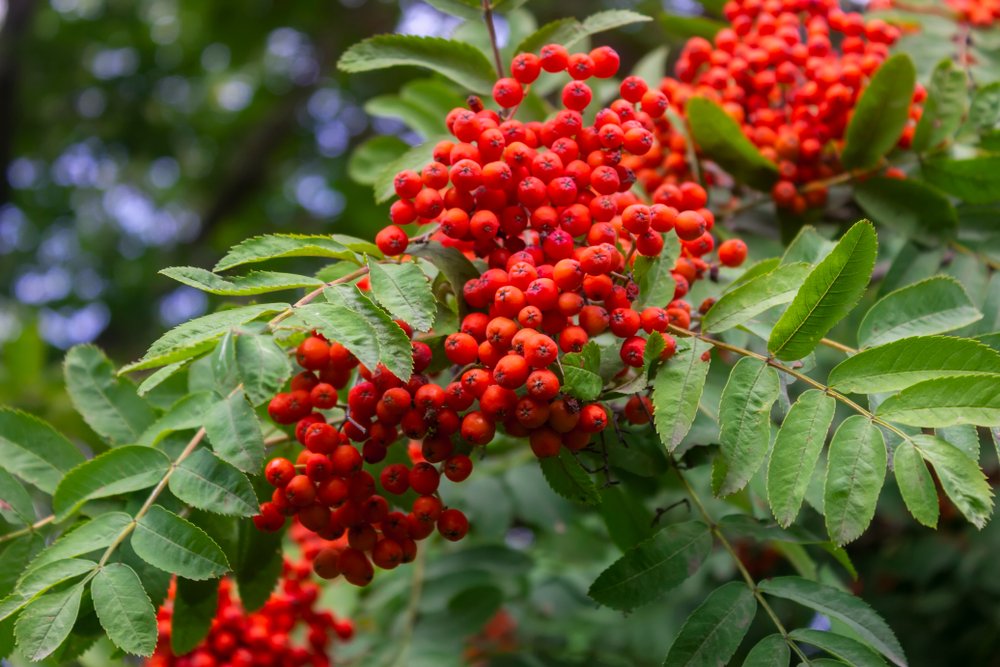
[(34, 451), (187, 413), (881, 114), (713, 631), (207, 482), (945, 107), (262, 366), (462, 63), (973, 180), (98, 533), (682, 27), (653, 566), (625, 516), (199, 335), (234, 431), (124, 609), (827, 294), (258, 565), (114, 472), (559, 31), (932, 306), (984, 111), (581, 382), (653, 65), (915, 484), (796, 450), (405, 292), (352, 319), (807, 246), (456, 268), (565, 476), (37, 581), (15, 503), (17, 550), (914, 208), (855, 471), (745, 421), (844, 607), (721, 138), (47, 622), (961, 478), (756, 295), (109, 406), (771, 651), (195, 605), (906, 362), (158, 377), (677, 389), (852, 652), (369, 159), (276, 246), (165, 540), (653, 274), (255, 282), (946, 401), (610, 19)]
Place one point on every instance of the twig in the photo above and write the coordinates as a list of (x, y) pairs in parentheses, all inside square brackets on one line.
[(315, 293), (838, 346), (28, 529), (488, 17)]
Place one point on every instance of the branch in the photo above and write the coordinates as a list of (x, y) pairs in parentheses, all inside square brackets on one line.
[(488, 17), (315, 293), (28, 529)]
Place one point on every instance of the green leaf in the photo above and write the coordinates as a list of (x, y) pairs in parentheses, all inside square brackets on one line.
[(186, 414), (677, 389), (34, 451), (745, 421), (610, 19), (109, 406), (199, 335), (234, 431), (39, 580), (456, 268), (258, 565), (414, 159), (653, 65), (15, 502), (721, 139), (366, 330), (682, 28), (984, 112), (827, 295), (651, 568), (625, 516), (855, 471), (158, 377), (173, 544), (124, 609), (276, 246), (462, 63), (255, 282), (849, 609), (713, 631), (771, 651), (850, 651), (796, 450), (756, 295), (114, 472), (962, 480), (559, 31), (974, 180), (914, 208), (98, 533), (47, 622), (807, 246), (915, 484), (209, 483), (262, 366), (579, 380), (932, 306), (565, 476), (404, 291), (945, 107), (881, 114), (946, 401), (369, 160), (653, 274), (195, 605), (905, 362)]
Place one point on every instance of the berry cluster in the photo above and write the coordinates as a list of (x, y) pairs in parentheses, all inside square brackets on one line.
[(549, 209), (263, 638), (981, 13), (790, 72), (328, 488)]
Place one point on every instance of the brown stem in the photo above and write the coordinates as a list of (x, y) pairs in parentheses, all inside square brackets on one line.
[(488, 17), (315, 293)]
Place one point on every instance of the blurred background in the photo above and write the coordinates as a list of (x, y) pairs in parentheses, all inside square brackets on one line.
[(139, 134)]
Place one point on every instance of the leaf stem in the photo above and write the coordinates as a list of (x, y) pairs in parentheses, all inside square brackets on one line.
[(773, 363), (315, 293), (488, 18), (28, 529), (838, 346), (966, 250), (747, 577)]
